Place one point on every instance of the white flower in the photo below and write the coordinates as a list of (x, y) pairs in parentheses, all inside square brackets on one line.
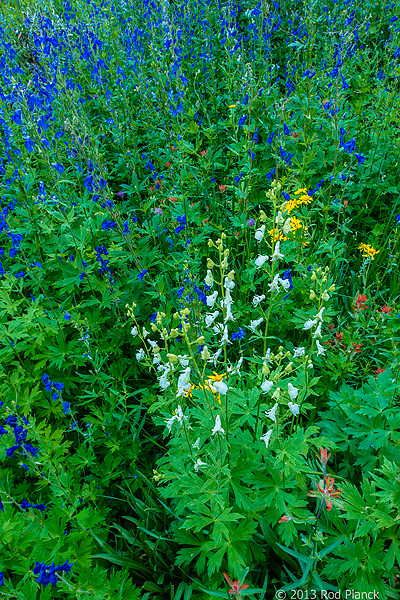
[(163, 380), (228, 283), (179, 416), (294, 408), (217, 427), (169, 423), (134, 331), (277, 255), (299, 352), (211, 299), (254, 324), (210, 318), (156, 359), (325, 296), (279, 218), (183, 360), (293, 392), (225, 339), (236, 369), (145, 333), (285, 283), (229, 316), (271, 414), (216, 356), (219, 386), (319, 315), (317, 332), (268, 355), (140, 354), (310, 323), (209, 280), (320, 349), (199, 464), (258, 299), (265, 438), (267, 386), (183, 382), (259, 233), (260, 260), (196, 445), (274, 286), (286, 228)]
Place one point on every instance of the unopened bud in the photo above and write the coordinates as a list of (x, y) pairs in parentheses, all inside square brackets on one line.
[(200, 341), (210, 263), (312, 294), (172, 358), (263, 216)]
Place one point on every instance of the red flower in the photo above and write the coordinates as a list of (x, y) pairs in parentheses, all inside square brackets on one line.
[(168, 164), (380, 370), (173, 199), (327, 491), (386, 310), (204, 152), (356, 347), (295, 134), (360, 303), (324, 456), (222, 188), (284, 519), (236, 588), (331, 327)]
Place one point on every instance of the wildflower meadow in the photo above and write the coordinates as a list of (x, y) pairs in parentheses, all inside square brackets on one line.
[(199, 299)]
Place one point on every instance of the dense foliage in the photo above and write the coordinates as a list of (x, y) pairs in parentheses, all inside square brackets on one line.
[(199, 298)]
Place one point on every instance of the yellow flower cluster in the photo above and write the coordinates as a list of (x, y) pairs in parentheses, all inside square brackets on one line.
[(368, 251), (303, 198), (215, 377), (276, 235)]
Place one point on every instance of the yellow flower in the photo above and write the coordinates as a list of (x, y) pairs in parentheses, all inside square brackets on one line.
[(300, 191), (368, 251), (232, 105), (216, 377), (295, 223), (189, 392), (277, 235)]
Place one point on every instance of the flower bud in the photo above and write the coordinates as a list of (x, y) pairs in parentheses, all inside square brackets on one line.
[(289, 367), (312, 294), (231, 275), (223, 236), (313, 276), (265, 369), (205, 355), (200, 341), (210, 263), (332, 288), (263, 216), (172, 358)]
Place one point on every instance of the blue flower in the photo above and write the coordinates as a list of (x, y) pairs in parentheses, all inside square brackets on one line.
[(360, 158), (67, 316), (1, 578), (107, 225), (270, 174), (58, 167), (142, 274), (286, 129), (238, 178), (29, 144), (1, 505), (398, 218), (126, 228), (270, 138), (350, 146), (20, 274), (239, 335), (25, 504), (242, 120)]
